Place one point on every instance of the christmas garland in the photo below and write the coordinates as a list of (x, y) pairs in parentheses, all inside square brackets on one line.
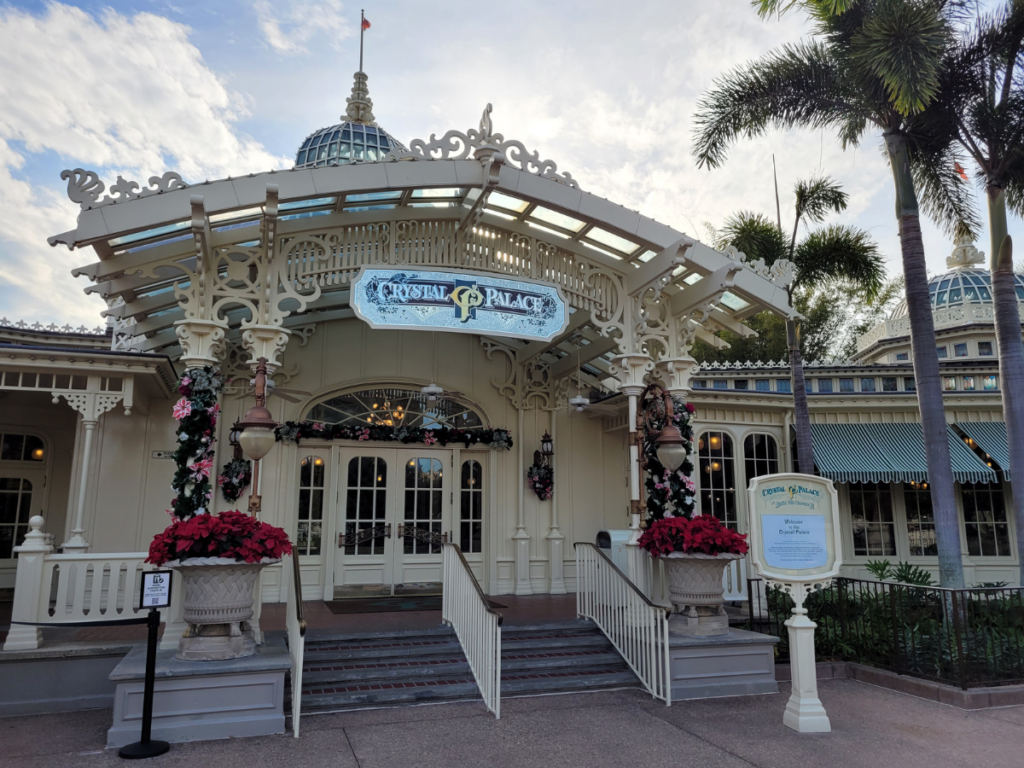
[(234, 479), (541, 479), (297, 431), (196, 413), (670, 494)]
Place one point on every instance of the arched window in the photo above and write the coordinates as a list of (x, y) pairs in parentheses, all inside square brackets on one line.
[(390, 406), (760, 455), (471, 499), (717, 473)]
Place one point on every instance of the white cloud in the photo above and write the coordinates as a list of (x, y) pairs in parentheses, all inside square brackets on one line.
[(299, 22), (119, 94)]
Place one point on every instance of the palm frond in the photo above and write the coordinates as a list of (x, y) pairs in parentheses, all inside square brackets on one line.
[(753, 234), (817, 197), (839, 253), (798, 85)]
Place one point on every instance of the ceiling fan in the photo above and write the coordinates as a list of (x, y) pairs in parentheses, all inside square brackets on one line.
[(580, 404)]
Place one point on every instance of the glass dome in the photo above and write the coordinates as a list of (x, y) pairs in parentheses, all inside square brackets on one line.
[(960, 287), (345, 143)]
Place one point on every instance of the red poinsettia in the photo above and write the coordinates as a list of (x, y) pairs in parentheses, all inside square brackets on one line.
[(704, 534), (234, 535)]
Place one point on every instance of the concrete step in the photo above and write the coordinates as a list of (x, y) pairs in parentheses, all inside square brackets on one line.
[(399, 648), (403, 671), (338, 697), (534, 642), (562, 681), (567, 660)]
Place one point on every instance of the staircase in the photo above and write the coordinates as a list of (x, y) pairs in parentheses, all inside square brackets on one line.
[(378, 669)]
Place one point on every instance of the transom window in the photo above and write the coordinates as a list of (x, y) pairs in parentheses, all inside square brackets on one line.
[(871, 514), (717, 473), (15, 447), (395, 407)]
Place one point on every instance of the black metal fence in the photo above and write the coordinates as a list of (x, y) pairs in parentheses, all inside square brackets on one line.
[(964, 637)]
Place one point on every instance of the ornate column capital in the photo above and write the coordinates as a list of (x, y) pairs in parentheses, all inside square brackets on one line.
[(202, 342), (630, 369), (267, 341), (675, 373)]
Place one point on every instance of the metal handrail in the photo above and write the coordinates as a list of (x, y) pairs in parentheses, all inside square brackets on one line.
[(298, 595), (614, 567), (478, 631), (476, 584), (637, 627)]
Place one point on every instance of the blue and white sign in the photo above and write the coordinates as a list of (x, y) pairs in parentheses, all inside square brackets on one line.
[(462, 302)]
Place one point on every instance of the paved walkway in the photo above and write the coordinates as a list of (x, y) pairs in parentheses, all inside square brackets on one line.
[(872, 727)]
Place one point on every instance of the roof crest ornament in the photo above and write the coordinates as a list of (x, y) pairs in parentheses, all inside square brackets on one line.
[(360, 107), (456, 145), (85, 187), (964, 255)]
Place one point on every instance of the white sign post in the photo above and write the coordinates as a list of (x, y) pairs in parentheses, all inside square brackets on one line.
[(794, 543)]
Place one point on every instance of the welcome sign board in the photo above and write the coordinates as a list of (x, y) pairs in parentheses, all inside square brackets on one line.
[(794, 528), (459, 302)]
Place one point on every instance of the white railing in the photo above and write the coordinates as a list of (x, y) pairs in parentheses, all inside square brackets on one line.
[(635, 626), (734, 580), (91, 587), (296, 625), (464, 607)]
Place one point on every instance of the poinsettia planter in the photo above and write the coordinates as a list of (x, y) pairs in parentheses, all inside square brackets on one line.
[(696, 590), (217, 608)]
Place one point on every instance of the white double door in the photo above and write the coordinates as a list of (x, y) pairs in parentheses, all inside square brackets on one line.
[(393, 511)]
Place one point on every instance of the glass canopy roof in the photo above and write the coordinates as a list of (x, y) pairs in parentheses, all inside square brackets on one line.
[(960, 287)]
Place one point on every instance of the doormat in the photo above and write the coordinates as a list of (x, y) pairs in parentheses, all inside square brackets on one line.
[(390, 604)]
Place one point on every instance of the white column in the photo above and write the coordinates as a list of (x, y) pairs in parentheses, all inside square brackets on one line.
[(556, 564), (804, 711), (28, 588), (521, 537), (91, 404)]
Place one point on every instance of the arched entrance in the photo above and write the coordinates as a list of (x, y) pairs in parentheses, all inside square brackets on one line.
[(394, 503)]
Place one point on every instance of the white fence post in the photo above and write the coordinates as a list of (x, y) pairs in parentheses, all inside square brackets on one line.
[(28, 588)]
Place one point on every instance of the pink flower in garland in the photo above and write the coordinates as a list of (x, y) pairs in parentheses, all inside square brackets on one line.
[(318, 427), (221, 479), (429, 439), (202, 468), (690, 408), (690, 485), (364, 434), (182, 408), (214, 409)]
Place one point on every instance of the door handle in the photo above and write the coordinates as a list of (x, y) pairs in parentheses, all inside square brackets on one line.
[(401, 532), (388, 534)]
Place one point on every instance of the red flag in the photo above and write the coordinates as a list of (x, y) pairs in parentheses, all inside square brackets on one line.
[(960, 169), (366, 23)]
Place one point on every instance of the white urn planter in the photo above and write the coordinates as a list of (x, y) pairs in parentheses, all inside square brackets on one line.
[(217, 608), (695, 589)]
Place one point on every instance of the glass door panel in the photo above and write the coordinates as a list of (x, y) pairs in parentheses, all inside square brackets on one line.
[(364, 557), (425, 515)]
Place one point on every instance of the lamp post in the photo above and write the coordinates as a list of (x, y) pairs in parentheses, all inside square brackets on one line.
[(671, 446), (257, 436)]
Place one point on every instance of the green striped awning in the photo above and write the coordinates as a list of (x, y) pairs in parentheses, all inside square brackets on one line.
[(887, 453), (991, 438)]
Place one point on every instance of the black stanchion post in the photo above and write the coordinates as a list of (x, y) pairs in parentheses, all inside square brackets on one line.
[(146, 747)]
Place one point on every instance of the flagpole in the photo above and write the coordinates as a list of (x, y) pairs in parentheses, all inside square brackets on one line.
[(362, 31)]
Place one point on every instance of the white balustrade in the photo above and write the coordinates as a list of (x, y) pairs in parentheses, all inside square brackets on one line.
[(465, 608), (635, 626), (69, 589), (296, 626)]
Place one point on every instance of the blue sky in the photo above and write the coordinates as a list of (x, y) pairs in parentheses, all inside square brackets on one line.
[(605, 89)]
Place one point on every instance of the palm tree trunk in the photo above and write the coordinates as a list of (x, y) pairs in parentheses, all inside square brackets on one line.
[(1011, 353), (804, 441), (926, 367)]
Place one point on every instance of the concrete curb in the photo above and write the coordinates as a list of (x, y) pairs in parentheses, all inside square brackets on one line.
[(973, 698)]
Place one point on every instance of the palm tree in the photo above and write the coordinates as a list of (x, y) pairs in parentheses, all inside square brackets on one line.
[(871, 65), (981, 116), (826, 257)]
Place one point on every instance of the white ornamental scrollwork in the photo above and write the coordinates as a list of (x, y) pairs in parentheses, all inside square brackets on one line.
[(456, 145), (85, 187)]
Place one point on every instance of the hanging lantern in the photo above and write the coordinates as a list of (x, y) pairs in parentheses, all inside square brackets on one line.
[(547, 446)]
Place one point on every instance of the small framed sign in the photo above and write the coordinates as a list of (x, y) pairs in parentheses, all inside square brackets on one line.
[(794, 528), (156, 589)]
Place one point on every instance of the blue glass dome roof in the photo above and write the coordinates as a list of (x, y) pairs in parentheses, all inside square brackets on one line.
[(960, 287), (345, 143)]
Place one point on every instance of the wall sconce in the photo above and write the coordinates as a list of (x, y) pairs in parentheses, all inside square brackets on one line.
[(547, 446)]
